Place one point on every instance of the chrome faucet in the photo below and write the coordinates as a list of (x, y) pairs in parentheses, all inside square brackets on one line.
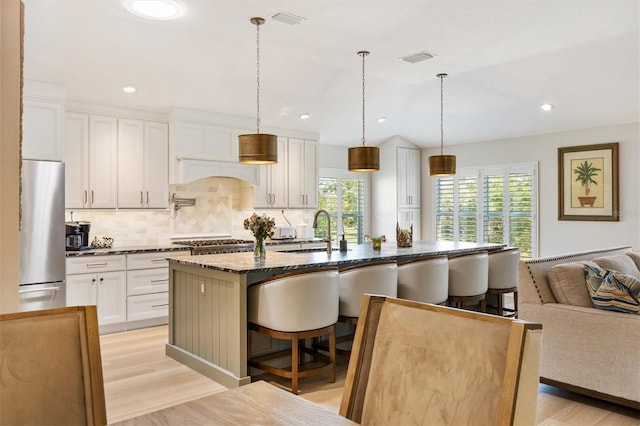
[(315, 225)]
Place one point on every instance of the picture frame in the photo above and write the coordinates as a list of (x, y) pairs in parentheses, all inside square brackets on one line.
[(588, 182)]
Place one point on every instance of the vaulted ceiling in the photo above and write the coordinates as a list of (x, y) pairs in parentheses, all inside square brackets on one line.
[(503, 58)]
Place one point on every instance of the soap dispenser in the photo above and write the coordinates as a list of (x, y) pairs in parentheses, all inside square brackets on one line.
[(343, 245)]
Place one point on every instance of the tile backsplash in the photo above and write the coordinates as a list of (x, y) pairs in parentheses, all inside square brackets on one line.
[(221, 205)]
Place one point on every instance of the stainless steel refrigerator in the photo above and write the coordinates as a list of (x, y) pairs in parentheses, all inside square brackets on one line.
[(42, 236)]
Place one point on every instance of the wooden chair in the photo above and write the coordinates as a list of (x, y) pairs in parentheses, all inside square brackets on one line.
[(422, 364), (50, 368), (295, 307)]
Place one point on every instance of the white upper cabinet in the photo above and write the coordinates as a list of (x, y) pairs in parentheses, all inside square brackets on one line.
[(90, 161), (408, 177), (201, 141), (303, 173), (272, 190), (143, 172), (42, 130)]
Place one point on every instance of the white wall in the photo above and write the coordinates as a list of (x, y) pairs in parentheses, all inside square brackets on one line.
[(556, 237)]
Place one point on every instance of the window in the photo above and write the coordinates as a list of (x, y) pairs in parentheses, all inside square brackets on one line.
[(342, 194), (492, 205)]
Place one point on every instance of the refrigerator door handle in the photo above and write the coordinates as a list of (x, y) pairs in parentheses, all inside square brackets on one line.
[(33, 290)]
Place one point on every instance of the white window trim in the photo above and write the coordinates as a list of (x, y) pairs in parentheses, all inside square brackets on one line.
[(479, 173)]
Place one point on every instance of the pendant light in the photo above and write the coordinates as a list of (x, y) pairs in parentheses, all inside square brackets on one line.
[(442, 165), (364, 158), (258, 148)]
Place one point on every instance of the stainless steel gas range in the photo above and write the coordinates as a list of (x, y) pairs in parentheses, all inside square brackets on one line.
[(229, 245)]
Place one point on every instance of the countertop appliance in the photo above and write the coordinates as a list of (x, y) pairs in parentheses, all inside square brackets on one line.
[(77, 235), (42, 236), (283, 233), (217, 246)]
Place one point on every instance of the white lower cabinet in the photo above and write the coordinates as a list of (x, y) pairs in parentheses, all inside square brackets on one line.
[(106, 290)]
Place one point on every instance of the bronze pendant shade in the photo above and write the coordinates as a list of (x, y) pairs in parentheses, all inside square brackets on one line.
[(258, 148), (442, 165), (364, 158)]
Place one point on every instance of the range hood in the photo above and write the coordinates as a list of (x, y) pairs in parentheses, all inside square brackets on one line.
[(189, 170)]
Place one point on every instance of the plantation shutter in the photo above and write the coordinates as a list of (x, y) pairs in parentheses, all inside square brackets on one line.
[(445, 209)]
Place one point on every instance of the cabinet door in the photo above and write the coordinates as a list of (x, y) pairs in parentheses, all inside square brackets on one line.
[(112, 297), (279, 183), (408, 177), (103, 157), (76, 159), (262, 191), (42, 124), (310, 177), (156, 164), (130, 163), (205, 142), (82, 290)]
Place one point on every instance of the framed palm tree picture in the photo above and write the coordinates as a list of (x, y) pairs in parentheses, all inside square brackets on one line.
[(588, 182)]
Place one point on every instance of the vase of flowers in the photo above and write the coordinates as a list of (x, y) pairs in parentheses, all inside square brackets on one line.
[(261, 227)]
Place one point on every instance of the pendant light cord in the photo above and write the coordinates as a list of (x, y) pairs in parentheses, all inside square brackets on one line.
[(442, 76), (363, 53), (258, 77)]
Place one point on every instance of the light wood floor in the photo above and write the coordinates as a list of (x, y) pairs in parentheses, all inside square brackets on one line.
[(140, 378)]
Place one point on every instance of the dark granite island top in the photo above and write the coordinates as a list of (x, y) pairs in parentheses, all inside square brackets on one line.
[(208, 294)]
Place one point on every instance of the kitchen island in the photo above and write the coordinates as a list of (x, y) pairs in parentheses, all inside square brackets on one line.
[(208, 295)]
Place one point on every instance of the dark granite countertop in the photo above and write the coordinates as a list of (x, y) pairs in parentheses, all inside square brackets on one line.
[(127, 250), (357, 254)]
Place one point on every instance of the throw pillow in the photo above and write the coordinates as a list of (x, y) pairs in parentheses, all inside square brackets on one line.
[(618, 262), (567, 283), (615, 292), (635, 256)]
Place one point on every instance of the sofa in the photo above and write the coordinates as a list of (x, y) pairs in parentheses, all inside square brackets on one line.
[(590, 351)]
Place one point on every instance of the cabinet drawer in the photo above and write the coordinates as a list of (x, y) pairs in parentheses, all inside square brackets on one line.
[(144, 281), (88, 264), (151, 260), (147, 306)]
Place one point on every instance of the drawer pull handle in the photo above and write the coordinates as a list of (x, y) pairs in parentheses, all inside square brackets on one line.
[(32, 290), (96, 265), (160, 281), (159, 306), (162, 260)]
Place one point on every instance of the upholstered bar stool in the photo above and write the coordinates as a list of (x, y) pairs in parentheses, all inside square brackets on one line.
[(424, 280), (295, 307), (503, 278), (373, 278), (468, 280)]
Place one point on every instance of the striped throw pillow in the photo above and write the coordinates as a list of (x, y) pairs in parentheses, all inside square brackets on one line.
[(613, 290)]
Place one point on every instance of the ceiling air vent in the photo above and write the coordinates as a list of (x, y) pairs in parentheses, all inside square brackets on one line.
[(287, 18), (418, 57)]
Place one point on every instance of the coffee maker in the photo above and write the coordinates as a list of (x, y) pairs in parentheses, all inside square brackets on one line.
[(77, 235)]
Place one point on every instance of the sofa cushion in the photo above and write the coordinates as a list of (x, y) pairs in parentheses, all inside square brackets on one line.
[(567, 282), (619, 262), (635, 256), (613, 290)]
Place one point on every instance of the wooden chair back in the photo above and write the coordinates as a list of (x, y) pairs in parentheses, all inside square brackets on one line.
[(50, 368), (422, 364)]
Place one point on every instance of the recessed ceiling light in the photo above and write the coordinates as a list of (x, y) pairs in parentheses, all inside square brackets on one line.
[(546, 107), (155, 9), (305, 116), (129, 89), (381, 119)]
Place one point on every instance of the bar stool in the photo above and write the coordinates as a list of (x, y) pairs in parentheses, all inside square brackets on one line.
[(503, 278), (373, 278), (424, 280), (295, 307), (468, 280)]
